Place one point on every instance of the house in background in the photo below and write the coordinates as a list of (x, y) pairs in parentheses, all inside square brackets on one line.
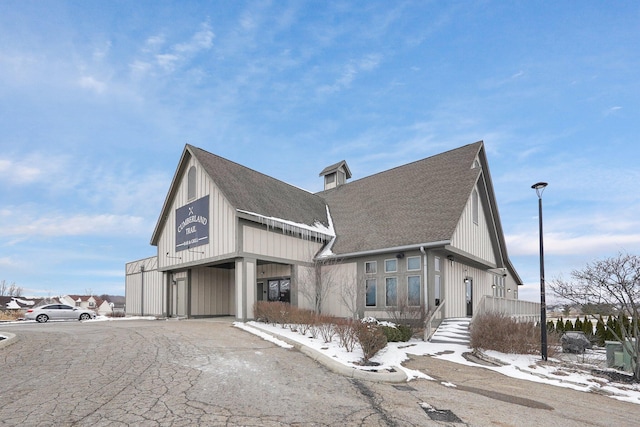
[(97, 304), (426, 236)]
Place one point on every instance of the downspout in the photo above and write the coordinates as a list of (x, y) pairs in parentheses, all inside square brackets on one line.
[(141, 290), (426, 282)]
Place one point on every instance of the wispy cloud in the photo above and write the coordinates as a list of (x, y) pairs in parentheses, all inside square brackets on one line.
[(586, 245), (612, 110), (350, 71), (57, 225), (17, 173), (174, 56), (90, 82)]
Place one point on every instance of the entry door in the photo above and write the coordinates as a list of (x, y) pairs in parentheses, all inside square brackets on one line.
[(469, 295), (279, 290), (179, 303)]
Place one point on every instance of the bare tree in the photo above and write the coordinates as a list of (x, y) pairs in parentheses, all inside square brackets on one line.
[(612, 281), (349, 295), (11, 290), (15, 290), (318, 283)]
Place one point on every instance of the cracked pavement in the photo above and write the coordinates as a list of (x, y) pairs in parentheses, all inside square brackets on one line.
[(168, 373), (209, 373)]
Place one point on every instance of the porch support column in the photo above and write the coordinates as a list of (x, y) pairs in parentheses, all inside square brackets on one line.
[(245, 288)]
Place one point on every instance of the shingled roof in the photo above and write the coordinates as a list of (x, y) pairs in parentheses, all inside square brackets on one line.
[(414, 204), (410, 205), (251, 191)]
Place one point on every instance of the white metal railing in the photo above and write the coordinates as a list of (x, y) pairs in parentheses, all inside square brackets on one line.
[(434, 321), (525, 311)]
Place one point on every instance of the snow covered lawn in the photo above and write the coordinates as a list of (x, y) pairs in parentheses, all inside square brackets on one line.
[(571, 371)]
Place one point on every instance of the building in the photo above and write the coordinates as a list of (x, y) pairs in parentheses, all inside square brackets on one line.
[(91, 302), (423, 236)]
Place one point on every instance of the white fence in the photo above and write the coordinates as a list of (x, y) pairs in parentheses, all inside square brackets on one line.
[(524, 311)]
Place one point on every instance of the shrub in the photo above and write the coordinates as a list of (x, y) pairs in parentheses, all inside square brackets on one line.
[(499, 332), (11, 314), (397, 333), (414, 317), (371, 339), (273, 312), (325, 328), (346, 331), (307, 321), (601, 332), (116, 314)]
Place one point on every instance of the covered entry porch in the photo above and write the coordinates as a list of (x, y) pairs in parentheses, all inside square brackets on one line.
[(228, 288)]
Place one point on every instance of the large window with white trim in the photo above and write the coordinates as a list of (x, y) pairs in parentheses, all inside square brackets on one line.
[(370, 267), (390, 265), (413, 263), (391, 291), (413, 291), (370, 292)]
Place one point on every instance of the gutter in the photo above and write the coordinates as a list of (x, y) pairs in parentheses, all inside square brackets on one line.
[(426, 278), (418, 246)]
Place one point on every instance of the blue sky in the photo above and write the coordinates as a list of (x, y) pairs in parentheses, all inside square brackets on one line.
[(99, 98)]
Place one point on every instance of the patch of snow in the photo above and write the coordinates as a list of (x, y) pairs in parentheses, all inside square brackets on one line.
[(554, 372), (327, 252), (262, 335)]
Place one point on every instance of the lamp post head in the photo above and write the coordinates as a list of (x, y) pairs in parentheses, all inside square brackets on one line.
[(539, 187)]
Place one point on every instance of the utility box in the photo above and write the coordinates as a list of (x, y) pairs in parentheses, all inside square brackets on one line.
[(617, 356)]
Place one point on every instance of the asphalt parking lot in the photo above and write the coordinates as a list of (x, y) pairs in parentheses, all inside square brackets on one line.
[(209, 373)]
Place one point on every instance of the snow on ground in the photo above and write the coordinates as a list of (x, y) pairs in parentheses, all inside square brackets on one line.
[(571, 371)]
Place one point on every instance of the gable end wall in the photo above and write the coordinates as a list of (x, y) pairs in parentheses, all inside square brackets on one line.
[(222, 222)]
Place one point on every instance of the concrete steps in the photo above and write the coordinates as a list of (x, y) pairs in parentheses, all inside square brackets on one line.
[(453, 331)]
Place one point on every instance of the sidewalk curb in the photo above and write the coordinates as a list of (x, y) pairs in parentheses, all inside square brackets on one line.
[(398, 376), (10, 339)]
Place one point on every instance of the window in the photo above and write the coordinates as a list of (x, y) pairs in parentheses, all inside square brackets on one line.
[(413, 290), (390, 265), (498, 286), (370, 267), (329, 179), (391, 292), (437, 289), (474, 206), (437, 263), (413, 263), (191, 183), (371, 292)]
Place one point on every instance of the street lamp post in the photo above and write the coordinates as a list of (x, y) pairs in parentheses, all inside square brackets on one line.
[(539, 187)]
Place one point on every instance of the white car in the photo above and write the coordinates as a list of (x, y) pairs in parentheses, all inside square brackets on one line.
[(58, 312)]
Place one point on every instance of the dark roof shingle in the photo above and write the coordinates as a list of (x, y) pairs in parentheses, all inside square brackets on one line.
[(258, 193), (420, 202)]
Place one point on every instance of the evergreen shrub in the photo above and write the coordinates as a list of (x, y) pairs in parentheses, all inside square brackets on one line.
[(397, 333)]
